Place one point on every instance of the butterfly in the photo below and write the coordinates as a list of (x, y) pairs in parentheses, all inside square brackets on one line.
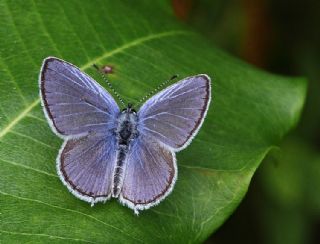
[(124, 154)]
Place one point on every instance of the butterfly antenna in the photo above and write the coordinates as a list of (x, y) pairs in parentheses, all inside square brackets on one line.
[(156, 89), (105, 78)]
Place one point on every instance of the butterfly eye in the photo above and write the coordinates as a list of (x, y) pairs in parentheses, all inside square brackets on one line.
[(134, 111)]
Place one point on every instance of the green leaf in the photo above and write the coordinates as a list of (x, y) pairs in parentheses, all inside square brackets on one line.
[(250, 112)]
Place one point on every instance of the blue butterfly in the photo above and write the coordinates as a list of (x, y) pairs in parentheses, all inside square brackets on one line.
[(124, 154)]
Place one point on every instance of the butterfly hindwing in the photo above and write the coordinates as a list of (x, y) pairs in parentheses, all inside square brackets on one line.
[(174, 115), (150, 174), (85, 165)]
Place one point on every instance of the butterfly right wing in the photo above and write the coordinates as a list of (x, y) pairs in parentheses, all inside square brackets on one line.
[(85, 165), (166, 123), (73, 102), (174, 115)]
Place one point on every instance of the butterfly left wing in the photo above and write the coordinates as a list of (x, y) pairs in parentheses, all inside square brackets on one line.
[(84, 114), (174, 115), (73, 102), (150, 174)]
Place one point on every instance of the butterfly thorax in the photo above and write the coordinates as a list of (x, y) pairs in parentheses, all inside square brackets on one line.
[(127, 127), (126, 132)]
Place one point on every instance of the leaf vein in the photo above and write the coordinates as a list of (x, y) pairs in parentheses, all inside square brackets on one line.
[(32, 139), (45, 235), (69, 210), (29, 168)]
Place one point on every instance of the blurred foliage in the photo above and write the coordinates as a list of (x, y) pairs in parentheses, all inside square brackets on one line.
[(283, 202), (291, 185)]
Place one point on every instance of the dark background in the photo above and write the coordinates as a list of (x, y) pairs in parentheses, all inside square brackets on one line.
[(283, 201)]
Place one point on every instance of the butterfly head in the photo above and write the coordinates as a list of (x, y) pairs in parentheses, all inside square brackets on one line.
[(129, 109)]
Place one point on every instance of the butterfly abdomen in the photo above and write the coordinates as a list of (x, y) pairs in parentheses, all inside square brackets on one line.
[(125, 133), (119, 170)]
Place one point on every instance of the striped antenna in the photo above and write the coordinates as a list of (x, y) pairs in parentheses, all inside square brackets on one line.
[(104, 77), (155, 90)]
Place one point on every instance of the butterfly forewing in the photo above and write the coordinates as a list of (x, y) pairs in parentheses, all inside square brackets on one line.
[(174, 115), (73, 102)]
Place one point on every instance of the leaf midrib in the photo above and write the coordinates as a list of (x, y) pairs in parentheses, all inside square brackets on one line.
[(120, 49)]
